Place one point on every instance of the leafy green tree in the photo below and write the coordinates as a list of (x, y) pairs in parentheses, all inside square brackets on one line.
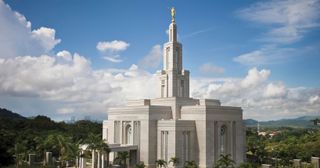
[(246, 165), (140, 165), (161, 163), (122, 159), (20, 153), (190, 164), (224, 162), (174, 161)]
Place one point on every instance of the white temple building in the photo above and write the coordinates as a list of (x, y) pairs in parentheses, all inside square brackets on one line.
[(175, 125)]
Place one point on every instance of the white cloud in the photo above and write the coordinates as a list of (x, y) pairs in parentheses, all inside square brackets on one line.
[(66, 55), (259, 98), (275, 90), (255, 78), (290, 19), (111, 49), (115, 45), (266, 55), (18, 39), (46, 37), (65, 110), (72, 84), (115, 59), (209, 68), (153, 58)]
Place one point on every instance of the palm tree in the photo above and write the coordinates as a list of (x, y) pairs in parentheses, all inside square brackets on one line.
[(140, 165), (93, 145), (190, 164), (122, 158), (161, 163), (105, 150), (224, 162), (20, 151), (174, 161)]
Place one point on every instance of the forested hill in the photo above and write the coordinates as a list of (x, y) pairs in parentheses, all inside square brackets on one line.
[(6, 114), (300, 122), (31, 133)]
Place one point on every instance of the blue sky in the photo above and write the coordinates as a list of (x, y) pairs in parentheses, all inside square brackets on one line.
[(222, 41)]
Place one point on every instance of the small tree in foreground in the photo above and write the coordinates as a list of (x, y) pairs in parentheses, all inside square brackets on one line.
[(174, 161), (140, 165), (190, 164), (161, 163), (224, 162)]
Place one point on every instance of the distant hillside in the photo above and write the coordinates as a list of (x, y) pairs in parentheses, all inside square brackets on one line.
[(6, 114), (296, 122)]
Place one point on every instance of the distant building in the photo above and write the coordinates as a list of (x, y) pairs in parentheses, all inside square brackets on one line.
[(175, 125)]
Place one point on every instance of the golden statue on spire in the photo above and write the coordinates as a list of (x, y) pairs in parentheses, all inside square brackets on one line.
[(173, 13)]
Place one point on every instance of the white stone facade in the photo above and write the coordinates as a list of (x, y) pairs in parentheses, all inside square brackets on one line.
[(176, 125)]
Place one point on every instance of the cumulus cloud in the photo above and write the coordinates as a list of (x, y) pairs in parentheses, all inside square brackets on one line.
[(153, 58), (18, 39), (66, 55), (72, 86), (259, 98), (115, 45), (212, 69), (290, 19), (111, 49)]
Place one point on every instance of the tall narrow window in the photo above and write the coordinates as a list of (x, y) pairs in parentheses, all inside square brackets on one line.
[(186, 145), (164, 145), (162, 88), (223, 139), (117, 131), (128, 134), (167, 58), (182, 88)]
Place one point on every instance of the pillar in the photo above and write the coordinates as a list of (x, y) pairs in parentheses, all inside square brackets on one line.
[(98, 160), (315, 161), (304, 164), (48, 158), (93, 159), (32, 158), (103, 161), (296, 163), (83, 162)]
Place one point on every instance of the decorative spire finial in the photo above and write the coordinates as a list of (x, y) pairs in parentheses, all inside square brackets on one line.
[(173, 13)]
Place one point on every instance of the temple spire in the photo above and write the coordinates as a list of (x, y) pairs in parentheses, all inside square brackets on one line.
[(174, 79)]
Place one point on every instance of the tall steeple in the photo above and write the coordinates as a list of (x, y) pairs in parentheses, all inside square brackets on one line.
[(174, 79)]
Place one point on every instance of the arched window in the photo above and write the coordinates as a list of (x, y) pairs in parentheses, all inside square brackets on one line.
[(128, 134), (223, 139)]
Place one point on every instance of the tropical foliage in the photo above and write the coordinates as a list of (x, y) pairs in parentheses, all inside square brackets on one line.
[(224, 161), (161, 163), (20, 136)]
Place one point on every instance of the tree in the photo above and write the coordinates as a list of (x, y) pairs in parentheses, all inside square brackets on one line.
[(140, 165), (161, 163), (122, 158), (20, 153), (104, 149), (93, 144), (190, 164), (246, 165), (224, 162), (174, 161)]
